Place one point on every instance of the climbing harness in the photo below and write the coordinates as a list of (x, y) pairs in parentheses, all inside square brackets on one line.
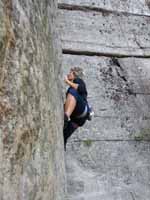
[(84, 112), (88, 112)]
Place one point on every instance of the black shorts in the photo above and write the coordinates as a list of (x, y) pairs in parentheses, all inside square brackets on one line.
[(79, 109)]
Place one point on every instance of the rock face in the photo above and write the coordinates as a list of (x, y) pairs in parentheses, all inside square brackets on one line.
[(109, 158), (31, 112), (104, 32)]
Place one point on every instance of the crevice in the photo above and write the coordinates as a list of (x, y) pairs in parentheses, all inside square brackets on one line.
[(120, 74), (128, 89), (132, 195), (92, 53), (113, 140), (137, 42), (116, 62), (142, 93), (105, 117), (73, 7)]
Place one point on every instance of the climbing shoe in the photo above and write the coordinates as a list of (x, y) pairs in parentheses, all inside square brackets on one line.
[(90, 114), (66, 120)]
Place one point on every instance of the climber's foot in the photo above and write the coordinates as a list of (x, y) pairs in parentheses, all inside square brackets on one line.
[(66, 120)]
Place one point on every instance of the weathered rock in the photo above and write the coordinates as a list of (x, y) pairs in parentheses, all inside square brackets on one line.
[(108, 170), (104, 33), (109, 157), (128, 6), (119, 93), (31, 141)]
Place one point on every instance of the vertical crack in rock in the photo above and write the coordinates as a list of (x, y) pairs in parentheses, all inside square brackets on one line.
[(122, 76), (137, 42), (116, 83)]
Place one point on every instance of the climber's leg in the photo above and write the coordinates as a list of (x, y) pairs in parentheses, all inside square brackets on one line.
[(71, 127), (74, 106), (70, 104)]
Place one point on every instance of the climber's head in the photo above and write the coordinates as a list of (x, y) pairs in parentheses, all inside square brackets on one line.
[(75, 72)]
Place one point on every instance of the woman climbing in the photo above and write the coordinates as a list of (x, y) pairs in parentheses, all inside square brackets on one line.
[(76, 108)]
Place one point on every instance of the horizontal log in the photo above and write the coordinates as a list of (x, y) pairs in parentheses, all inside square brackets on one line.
[(108, 34), (128, 6)]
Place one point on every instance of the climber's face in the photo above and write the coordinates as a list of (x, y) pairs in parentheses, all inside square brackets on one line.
[(71, 76)]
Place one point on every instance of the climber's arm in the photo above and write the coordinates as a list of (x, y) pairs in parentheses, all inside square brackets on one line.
[(71, 84)]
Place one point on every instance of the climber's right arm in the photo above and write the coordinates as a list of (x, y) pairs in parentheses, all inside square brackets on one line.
[(71, 84)]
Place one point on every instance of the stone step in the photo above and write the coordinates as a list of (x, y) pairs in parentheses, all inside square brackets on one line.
[(103, 33)]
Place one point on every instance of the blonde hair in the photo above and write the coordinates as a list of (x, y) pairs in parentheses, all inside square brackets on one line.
[(78, 72)]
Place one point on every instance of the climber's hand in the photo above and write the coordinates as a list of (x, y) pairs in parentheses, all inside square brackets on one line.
[(70, 83), (66, 79)]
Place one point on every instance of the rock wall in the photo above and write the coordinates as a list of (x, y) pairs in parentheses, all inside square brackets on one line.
[(109, 158), (31, 111)]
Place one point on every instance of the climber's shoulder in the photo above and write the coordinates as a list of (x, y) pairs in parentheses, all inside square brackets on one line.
[(79, 81)]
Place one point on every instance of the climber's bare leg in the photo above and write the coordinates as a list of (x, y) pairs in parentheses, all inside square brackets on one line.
[(69, 104)]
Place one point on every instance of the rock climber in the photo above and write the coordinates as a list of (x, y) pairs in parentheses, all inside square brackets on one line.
[(76, 108)]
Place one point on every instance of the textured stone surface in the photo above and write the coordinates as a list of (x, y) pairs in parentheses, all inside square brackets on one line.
[(109, 158), (141, 7), (109, 171), (119, 92), (105, 33), (31, 142)]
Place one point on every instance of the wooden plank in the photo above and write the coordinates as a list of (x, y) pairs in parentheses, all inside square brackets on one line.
[(141, 7), (109, 34)]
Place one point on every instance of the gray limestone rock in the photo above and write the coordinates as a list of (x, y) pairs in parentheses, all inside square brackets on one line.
[(104, 34), (109, 157), (31, 123), (119, 94), (109, 170), (141, 7)]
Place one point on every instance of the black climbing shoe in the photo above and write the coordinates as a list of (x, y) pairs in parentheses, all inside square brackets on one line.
[(66, 120), (90, 114)]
